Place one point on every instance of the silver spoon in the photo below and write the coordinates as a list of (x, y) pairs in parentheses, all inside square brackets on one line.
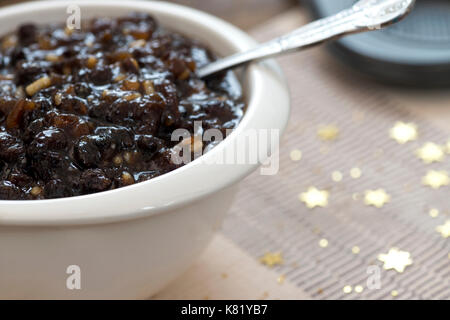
[(365, 15)]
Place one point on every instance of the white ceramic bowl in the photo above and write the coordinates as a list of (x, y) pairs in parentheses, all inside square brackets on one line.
[(131, 242)]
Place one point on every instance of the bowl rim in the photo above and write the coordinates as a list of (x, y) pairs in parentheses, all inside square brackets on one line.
[(184, 185)]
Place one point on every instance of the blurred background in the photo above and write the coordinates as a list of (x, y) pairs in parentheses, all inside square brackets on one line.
[(234, 11)]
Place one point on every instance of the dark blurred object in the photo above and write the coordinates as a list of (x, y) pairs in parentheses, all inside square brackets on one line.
[(416, 51)]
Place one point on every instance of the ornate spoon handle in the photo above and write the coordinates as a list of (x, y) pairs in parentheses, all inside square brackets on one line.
[(365, 15)]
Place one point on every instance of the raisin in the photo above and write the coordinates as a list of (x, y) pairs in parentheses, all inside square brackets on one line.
[(149, 143), (50, 139), (73, 104), (122, 137), (94, 180), (9, 191), (10, 147), (101, 75), (21, 180), (86, 152), (27, 34), (56, 188)]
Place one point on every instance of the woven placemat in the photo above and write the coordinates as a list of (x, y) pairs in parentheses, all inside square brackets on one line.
[(268, 215)]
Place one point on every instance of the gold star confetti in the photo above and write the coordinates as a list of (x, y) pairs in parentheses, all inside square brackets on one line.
[(355, 173), (431, 152), (271, 259), (403, 132), (376, 198), (296, 155), (394, 293), (396, 259), (444, 229), (436, 179), (323, 243), (328, 133), (314, 197), (281, 279), (433, 213), (356, 250), (347, 289), (359, 289), (336, 176)]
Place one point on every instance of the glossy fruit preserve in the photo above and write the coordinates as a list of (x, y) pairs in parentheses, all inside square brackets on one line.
[(89, 110)]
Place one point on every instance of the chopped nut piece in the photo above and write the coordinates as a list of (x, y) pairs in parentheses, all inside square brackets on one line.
[(118, 160), (35, 191), (141, 35), (52, 57), (91, 62), (197, 144), (184, 75), (186, 141), (148, 87), (38, 85), (131, 85), (122, 55), (68, 31), (132, 96), (120, 77), (58, 98), (70, 89), (127, 156), (191, 65), (127, 178), (138, 43)]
